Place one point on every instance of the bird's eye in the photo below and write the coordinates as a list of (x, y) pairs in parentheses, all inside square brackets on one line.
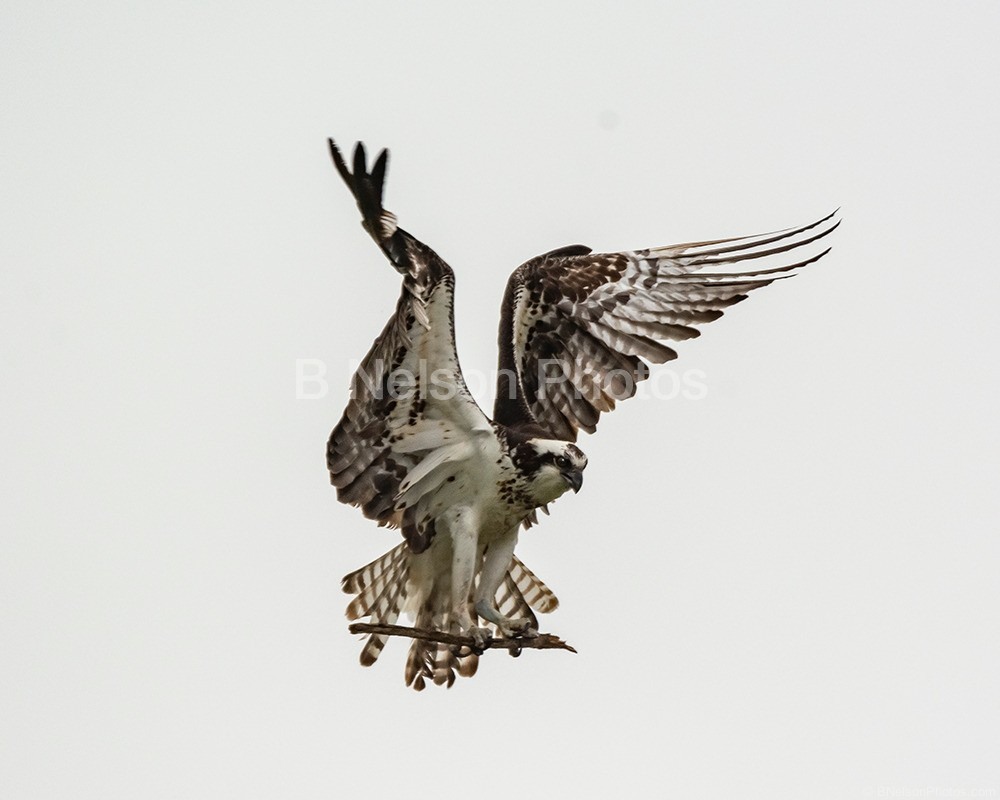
[(562, 462)]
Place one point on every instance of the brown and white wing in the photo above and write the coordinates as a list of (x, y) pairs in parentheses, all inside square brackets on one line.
[(410, 423), (577, 328)]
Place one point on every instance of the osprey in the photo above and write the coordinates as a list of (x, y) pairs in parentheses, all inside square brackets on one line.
[(414, 451)]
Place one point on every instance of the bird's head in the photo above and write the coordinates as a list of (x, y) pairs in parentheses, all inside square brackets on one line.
[(551, 467)]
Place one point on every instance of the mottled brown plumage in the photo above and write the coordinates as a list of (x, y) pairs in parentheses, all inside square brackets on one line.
[(577, 330)]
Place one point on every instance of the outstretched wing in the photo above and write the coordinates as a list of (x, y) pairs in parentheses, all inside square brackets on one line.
[(411, 422), (577, 328)]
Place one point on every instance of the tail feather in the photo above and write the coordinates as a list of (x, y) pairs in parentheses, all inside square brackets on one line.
[(511, 602), (372, 582), (445, 663), (443, 658), (536, 594), (468, 663), (419, 665), (381, 592), (448, 662), (385, 615)]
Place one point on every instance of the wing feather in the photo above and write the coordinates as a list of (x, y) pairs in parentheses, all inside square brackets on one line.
[(597, 318), (410, 409)]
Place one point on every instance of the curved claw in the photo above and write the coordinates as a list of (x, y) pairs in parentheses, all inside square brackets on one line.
[(505, 625), (480, 637), (519, 629)]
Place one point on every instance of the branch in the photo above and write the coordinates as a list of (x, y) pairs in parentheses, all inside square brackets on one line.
[(514, 645)]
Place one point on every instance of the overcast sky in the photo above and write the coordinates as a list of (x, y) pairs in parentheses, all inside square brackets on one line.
[(784, 588)]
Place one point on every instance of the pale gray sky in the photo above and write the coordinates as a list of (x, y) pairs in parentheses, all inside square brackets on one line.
[(785, 589)]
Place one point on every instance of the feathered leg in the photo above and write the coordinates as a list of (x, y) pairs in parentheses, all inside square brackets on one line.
[(495, 566), (464, 530)]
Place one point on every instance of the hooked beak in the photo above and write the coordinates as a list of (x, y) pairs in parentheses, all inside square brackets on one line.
[(574, 479)]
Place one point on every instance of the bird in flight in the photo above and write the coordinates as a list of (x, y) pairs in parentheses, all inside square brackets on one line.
[(415, 452)]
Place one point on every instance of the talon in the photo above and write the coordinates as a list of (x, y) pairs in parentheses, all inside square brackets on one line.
[(480, 638), (507, 628), (520, 629)]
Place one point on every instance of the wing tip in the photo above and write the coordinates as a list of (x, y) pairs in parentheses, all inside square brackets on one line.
[(367, 186), (340, 164)]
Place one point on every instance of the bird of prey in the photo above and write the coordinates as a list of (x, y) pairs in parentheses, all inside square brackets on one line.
[(415, 452)]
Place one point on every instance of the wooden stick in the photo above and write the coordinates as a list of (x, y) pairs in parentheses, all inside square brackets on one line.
[(543, 641)]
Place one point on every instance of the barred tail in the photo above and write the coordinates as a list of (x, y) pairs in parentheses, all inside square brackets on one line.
[(380, 594), (534, 593)]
